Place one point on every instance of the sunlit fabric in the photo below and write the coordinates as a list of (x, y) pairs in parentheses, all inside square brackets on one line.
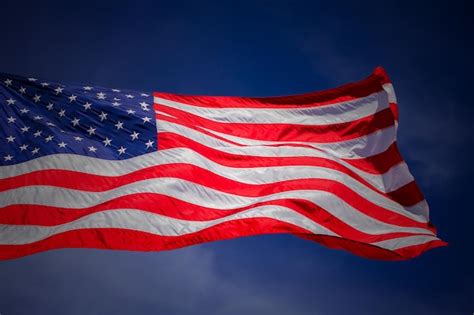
[(85, 166)]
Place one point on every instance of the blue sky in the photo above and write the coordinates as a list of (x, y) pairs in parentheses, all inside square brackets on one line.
[(261, 48)]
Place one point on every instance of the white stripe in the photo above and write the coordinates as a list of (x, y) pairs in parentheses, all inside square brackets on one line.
[(265, 175), (317, 115), (421, 208), (388, 87), (397, 243), (396, 177), (361, 147), (202, 196), (393, 179), (151, 223), (165, 114), (269, 175)]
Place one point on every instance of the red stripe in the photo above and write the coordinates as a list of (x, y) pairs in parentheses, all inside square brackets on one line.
[(206, 178), (407, 195), (121, 239), (172, 140), (373, 252), (289, 132), (344, 93), (379, 163), (212, 135), (194, 127), (376, 164), (90, 182), (175, 208), (394, 108), (109, 238)]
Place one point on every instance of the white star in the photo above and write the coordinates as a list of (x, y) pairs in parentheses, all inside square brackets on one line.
[(87, 106), (146, 119), (24, 110), (36, 98), (23, 147), (116, 99), (50, 124), (101, 96), (8, 82), (75, 121), (44, 84), (48, 138), (32, 79), (37, 117), (149, 144), (35, 151), (62, 113), (8, 157), (25, 129), (134, 135), (62, 144), (50, 106), (144, 106), (122, 150), (11, 101), (131, 111), (92, 149), (107, 141), (87, 88), (37, 133), (144, 94), (115, 90), (22, 90), (78, 138), (10, 139), (116, 104), (103, 116), (72, 98), (91, 131), (11, 120), (119, 125), (129, 96), (58, 90)]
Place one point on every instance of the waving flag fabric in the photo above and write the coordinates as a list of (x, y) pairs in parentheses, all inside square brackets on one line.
[(85, 166)]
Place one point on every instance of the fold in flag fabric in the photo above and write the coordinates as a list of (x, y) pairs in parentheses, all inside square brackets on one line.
[(90, 167)]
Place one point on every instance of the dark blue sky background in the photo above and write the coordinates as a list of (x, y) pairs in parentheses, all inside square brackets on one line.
[(261, 48)]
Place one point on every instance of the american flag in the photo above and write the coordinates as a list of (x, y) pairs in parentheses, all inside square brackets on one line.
[(86, 166)]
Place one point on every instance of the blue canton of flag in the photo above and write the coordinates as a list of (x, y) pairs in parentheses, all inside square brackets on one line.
[(41, 118)]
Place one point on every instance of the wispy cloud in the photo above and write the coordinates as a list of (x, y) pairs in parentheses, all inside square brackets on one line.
[(186, 281)]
